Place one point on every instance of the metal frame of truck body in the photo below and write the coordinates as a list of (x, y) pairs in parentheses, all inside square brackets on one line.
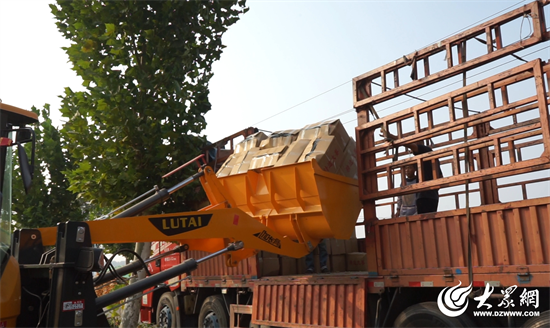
[(415, 257)]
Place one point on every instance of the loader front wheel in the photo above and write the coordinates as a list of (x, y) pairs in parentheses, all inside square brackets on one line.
[(166, 315), (538, 322), (213, 313)]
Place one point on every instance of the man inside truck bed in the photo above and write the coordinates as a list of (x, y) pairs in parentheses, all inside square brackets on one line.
[(406, 204), (426, 201)]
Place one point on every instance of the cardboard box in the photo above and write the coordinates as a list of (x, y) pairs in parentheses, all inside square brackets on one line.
[(323, 129), (280, 138), (301, 265), (241, 161), (294, 152), (309, 132), (337, 263), (328, 151), (356, 261), (268, 267), (288, 266), (247, 160), (337, 246), (267, 157), (348, 167), (226, 167), (351, 244), (252, 141), (336, 129)]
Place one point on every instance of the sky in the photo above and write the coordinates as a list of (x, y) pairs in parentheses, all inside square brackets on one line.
[(286, 64)]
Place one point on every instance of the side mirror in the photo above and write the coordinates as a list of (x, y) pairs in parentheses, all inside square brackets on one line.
[(26, 170)]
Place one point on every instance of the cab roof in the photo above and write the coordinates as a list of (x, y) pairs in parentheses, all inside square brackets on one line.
[(18, 116)]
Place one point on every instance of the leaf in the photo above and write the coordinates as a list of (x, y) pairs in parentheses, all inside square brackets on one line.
[(84, 64), (109, 28)]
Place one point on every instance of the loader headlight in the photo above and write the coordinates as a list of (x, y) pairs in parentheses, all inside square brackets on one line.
[(90, 259)]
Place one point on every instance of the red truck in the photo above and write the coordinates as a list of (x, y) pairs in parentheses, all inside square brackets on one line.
[(481, 260)]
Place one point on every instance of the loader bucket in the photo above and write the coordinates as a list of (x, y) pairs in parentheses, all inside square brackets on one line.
[(300, 201)]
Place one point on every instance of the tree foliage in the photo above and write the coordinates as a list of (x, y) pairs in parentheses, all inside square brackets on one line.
[(146, 66), (48, 201)]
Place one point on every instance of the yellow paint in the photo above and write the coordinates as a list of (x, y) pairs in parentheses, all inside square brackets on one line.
[(10, 293), (289, 207)]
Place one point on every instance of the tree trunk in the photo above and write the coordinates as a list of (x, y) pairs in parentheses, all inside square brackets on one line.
[(130, 315)]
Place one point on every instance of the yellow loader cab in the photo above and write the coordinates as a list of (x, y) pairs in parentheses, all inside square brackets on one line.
[(13, 133)]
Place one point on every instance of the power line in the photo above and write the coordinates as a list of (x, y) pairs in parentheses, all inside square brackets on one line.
[(473, 24), (445, 86), (340, 85), (303, 102)]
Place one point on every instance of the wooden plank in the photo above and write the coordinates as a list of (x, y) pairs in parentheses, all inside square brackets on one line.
[(295, 301), (476, 176), (535, 237), (485, 235), (332, 305), (419, 246), (340, 306), (408, 258), (287, 301), (281, 302), (518, 237), (500, 235), (315, 313), (445, 251), (307, 304), (324, 313), (460, 246), (489, 39), (300, 313), (432, 246), (543, 106), (398, 253)]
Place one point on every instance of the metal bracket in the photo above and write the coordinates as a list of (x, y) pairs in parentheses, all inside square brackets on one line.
[(78, 318), (524, 276), (80, 234), (448, 276)]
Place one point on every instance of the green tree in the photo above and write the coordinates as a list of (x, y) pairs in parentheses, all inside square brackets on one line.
[(146, 66), (48, 201)]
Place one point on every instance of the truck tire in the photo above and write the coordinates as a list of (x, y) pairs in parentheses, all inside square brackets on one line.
[(166, 315), (427, 314), (538, 322), (213, 313)]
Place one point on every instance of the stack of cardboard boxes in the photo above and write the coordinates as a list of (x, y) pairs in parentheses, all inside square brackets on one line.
[(343, 256), (327, 142), (330, 145)]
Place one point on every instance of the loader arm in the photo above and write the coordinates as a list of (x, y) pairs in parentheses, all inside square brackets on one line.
[(285, 210), (201, 227)]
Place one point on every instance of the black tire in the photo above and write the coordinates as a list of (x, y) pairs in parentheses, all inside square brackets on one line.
[(166, 312), (427, 314), (538, 322), (213, 313)]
